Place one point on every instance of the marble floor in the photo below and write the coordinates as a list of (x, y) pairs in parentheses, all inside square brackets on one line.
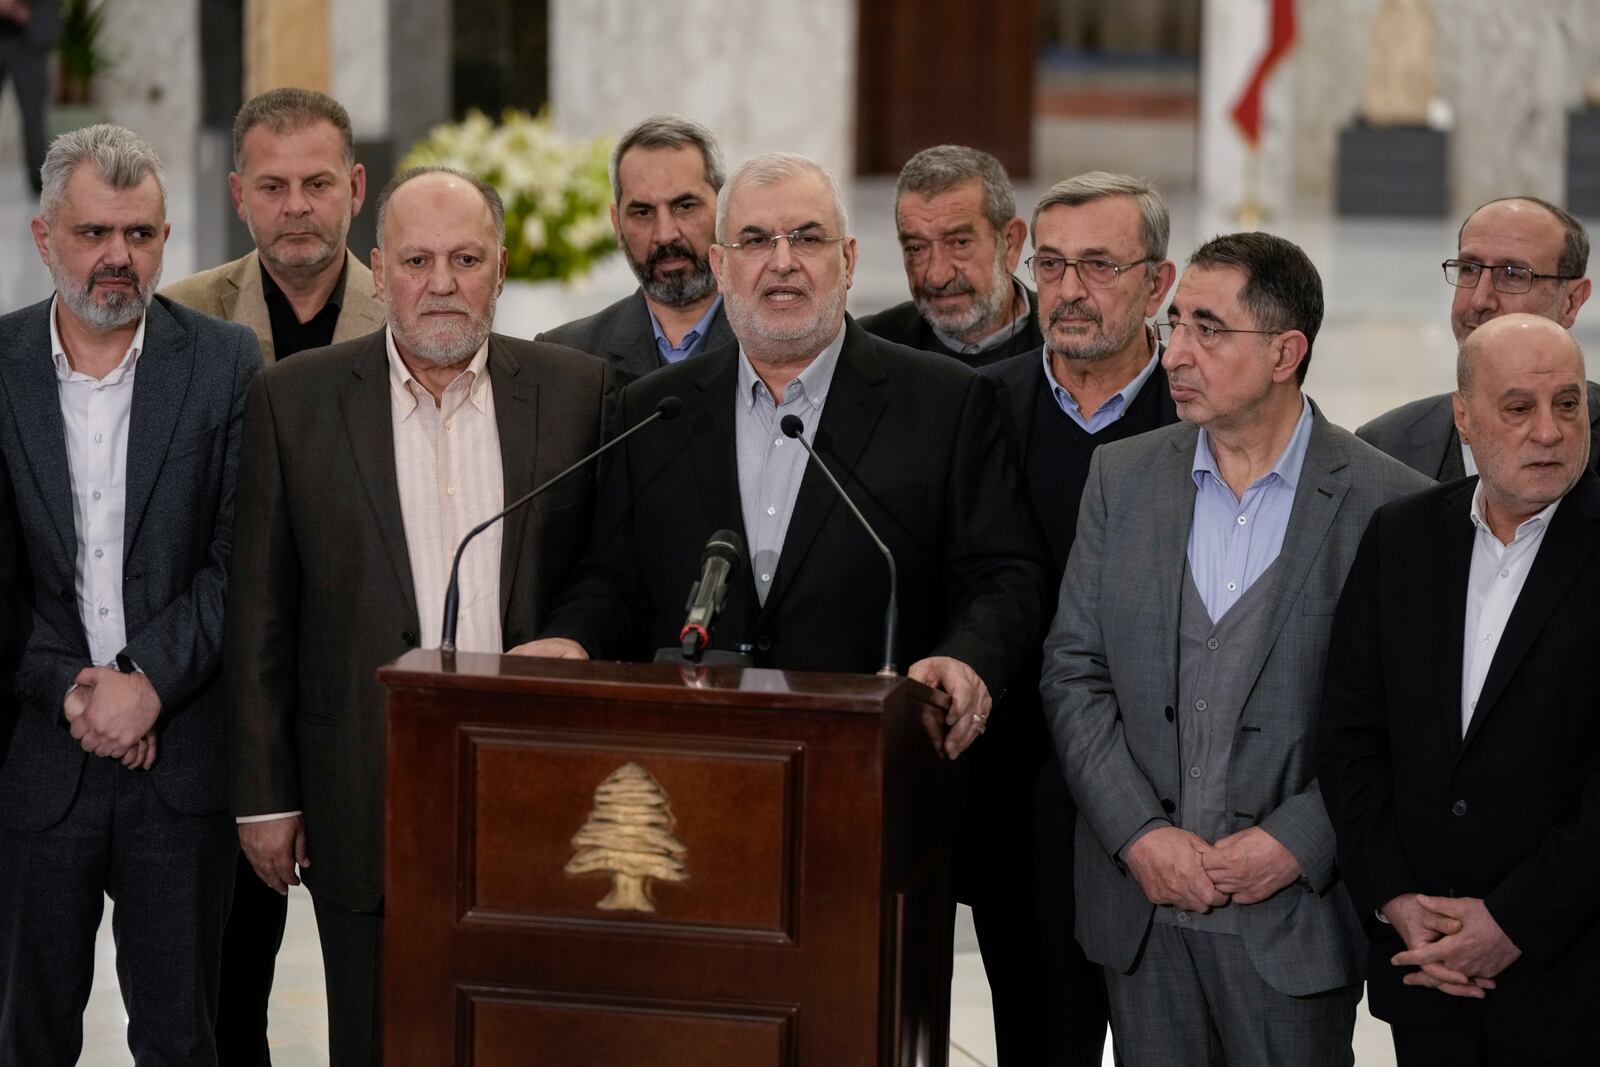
[(1385, 340)]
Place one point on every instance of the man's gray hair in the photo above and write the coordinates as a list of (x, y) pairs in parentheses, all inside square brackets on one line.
[(943, 167), (670, 131), (491, 196), (772, 168), (1155, 224), (121, 158)]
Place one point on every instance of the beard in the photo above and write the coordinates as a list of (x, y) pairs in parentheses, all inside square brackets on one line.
[(300, 257), (785, 342), (108, 309), (1104, 343), (446, 342), (979, 318), (675, 289)]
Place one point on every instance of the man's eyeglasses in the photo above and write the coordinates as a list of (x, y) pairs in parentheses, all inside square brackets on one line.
[(1099, 273), (1464, 274), (762, 245), (1205, 335)]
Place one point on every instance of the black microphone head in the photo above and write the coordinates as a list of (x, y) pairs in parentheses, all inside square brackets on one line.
[(668, 407), (726, 544), (791, 426)]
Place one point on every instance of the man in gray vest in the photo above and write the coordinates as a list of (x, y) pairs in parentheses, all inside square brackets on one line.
[(1182, 677), (1516, 254)]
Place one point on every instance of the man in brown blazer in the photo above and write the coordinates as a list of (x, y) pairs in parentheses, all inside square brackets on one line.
[(296, 185), (364, 465)]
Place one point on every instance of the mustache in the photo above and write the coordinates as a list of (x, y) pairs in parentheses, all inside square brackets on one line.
[(121, 274), (1076, 309), (957, 286), (434, 307), (675, 250)]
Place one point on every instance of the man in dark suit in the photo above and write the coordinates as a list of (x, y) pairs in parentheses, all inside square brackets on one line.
[(1095, 378), (1459, 751), (665, 175), (29, 30), (961, 240), (918, 443), (364, 465), (120, 442), (1518, 254)]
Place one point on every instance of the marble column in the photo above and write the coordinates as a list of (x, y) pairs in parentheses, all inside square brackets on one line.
[(764, 74), (286, 44)]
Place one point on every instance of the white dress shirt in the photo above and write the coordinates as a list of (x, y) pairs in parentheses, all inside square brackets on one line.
[(95, 413), (1493, 585), (447, 464)]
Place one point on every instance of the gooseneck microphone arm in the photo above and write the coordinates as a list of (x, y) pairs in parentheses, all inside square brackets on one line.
[(667, 408), (793, 427)]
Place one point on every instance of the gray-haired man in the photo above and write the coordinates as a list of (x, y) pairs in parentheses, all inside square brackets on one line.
[(961, 240), (120, 417), (665, 175)]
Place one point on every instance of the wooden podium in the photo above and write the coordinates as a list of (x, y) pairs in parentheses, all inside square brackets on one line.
[(605, 863)]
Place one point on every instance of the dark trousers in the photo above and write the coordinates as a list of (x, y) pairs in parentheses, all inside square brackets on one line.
[(352, 958), (29, 72), (169, 877), (1462, 1044), (249, 956)]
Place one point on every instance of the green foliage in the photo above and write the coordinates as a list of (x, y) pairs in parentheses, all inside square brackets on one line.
[(557, 191), (79, 51)]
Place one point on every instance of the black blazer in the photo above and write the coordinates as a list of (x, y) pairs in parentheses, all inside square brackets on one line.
[(321, 576), (1509, 813), (919, 444), (622, 334), (183, 449), (904, 325)]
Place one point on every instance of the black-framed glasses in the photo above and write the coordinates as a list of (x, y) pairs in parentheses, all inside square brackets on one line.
[(1506, 278), (1099, 273), (1205, 335), (762, 245)]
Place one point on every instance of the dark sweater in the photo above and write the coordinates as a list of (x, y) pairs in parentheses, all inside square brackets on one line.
[(904, 325)]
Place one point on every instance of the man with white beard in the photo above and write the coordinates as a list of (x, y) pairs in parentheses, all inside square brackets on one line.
[(364, 465), (961, 240), (120, 417)]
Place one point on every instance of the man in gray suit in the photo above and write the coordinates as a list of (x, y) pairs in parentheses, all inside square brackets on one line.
[(665, 175), (1517, 254), (364, 465), (1181, 680), (120, 437)]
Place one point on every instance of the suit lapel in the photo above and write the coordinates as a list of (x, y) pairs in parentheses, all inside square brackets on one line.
[(849, 417), (369, 420), (160, 384), (1450, 561), (713, 444), (1572, 538), (35, 396), (1451, 466), (631, 344), (248, 305), (1174, 492), (516, 416), (361, 313)]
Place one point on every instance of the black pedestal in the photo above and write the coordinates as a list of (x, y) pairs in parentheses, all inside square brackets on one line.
[(1393, 170), (1583, 161)]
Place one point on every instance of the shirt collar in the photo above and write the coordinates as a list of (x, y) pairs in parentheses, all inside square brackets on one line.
[(409, 390), (271, 290), (1120, 399), (692, 336), (58, 351), (1019, 295), (1286, 470), (811, 384), (1527, 527)]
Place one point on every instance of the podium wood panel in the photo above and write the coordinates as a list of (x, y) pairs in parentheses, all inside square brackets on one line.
[(796, 827)]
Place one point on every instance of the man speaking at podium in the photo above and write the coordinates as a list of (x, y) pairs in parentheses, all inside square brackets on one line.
[(916, 441), (363, 466)]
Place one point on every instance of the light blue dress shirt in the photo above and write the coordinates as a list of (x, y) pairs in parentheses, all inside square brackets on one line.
[(1232, 541), (693, 340), (1114, 407)]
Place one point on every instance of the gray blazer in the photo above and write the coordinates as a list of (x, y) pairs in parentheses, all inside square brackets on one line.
[(1422, 435), (183, 451), (1110, 691), (622, 334)]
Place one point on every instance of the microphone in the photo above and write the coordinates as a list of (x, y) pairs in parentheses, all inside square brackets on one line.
[(721, 559), (667, 408), (793, 427)]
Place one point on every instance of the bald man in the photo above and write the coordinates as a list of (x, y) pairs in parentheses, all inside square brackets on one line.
[(1459, 749), (1514, 255), (352, 500)]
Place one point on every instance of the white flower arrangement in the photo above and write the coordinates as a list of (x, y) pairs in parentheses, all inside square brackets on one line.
[(557, 190)]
